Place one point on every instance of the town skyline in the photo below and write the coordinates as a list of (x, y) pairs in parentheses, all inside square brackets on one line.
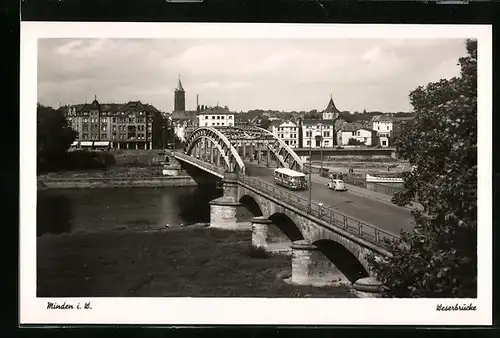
[(283, 75)]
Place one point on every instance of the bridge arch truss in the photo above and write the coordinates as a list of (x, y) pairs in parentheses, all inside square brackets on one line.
[(228, 141), (209, 144)]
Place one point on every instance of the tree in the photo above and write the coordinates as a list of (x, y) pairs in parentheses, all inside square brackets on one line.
[(439, 257), (54, 136), (354, 142)]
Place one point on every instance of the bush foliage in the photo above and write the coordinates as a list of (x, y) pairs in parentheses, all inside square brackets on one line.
[(54, 137), (439, 258)]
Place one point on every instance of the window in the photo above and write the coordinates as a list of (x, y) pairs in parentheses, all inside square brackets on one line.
[(326, 134), (222, 124), (230, 117), (359, 133), (130, 119), (213, 123), (206, 124), (387, 127), (308, 142), (308, 133), (327, 141), (213, 117), (218, 117), (103, 120), (217, 123), (114, 119), (114, 136), (85, 136), (378, 127), (103, 136), (206, 117), (353, 133), (384, 142)]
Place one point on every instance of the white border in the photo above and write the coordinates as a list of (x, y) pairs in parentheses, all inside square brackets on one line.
[(241, 310)]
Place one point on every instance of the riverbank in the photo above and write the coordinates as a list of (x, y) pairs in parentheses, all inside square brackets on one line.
[(114, 177), (116, 182), (187, 262)]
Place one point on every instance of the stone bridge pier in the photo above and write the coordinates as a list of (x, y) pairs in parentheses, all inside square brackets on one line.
[(311, 267), (223, 209)]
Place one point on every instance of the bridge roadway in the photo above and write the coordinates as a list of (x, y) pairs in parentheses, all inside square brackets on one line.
[(383, 215)]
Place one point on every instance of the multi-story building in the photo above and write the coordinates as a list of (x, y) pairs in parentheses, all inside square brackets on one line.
[(216, 117), (382, 124), (125, 126), (317, 133), (286, 130), (320, 133), (358, 132)]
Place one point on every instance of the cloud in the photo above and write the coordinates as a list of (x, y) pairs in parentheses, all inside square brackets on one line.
[(288, 74)]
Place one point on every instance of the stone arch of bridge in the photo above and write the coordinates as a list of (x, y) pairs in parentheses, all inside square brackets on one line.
[(343, 259), (251, 205), (356, 250), (229, 154), (287, 226)]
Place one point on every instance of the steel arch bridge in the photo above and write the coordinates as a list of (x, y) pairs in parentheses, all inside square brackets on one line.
[(227, 146)]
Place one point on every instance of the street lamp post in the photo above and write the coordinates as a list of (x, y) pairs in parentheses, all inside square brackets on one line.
[(310, 169), (321, 148)]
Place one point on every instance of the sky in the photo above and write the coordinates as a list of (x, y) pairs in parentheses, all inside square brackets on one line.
[(277, 74)]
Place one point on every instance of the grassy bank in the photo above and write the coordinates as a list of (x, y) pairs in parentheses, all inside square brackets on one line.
[(190, 262)]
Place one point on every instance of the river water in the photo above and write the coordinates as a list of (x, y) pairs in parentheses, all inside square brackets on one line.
[(68, 210)]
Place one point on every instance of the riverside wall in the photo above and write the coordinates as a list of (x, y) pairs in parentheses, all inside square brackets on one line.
[(115, 182)]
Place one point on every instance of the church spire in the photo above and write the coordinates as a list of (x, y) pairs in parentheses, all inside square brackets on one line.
[(179, 84)]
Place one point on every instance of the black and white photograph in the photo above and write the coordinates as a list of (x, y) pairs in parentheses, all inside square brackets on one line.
[(300, 172)]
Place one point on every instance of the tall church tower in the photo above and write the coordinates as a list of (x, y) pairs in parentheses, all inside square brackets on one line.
[(179, 97)]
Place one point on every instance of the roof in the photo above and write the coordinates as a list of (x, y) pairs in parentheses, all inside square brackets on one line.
[(279, 122), (330, 108), (179, 85), (352, 127), (110, 107), (315, 122), (289, 172), (131, 106), (216, 110), (381, 118)]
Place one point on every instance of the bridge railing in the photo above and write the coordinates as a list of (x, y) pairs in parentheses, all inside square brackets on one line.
[(202, 163), (325, 213)]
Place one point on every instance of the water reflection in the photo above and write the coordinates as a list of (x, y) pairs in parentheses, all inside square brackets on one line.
[(53, 214), (66, 210)]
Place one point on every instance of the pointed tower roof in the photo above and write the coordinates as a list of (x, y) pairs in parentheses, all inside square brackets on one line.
[(331, 107), (179, 85)]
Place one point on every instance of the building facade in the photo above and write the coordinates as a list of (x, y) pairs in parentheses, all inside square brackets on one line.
[(125, 126), (357, 132), (317, 133), (382, 124), (286, 130), (215, 117)]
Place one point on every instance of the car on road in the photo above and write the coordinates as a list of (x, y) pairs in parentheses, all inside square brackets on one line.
[(337, 185)]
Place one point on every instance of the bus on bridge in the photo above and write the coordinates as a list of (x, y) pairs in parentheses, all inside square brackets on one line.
[(290, 179)]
